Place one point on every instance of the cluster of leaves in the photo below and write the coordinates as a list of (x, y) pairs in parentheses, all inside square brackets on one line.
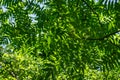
[(59, 39)]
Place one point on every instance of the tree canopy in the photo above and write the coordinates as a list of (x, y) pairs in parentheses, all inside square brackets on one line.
[(59, 39)]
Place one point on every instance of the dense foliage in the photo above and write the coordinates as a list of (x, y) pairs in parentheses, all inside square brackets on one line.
[(59, 40)]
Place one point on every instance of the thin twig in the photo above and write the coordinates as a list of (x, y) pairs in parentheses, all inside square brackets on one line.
[(93, 12)]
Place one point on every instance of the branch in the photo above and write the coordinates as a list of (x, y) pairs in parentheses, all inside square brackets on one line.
[(102, 38), (92, 11)]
